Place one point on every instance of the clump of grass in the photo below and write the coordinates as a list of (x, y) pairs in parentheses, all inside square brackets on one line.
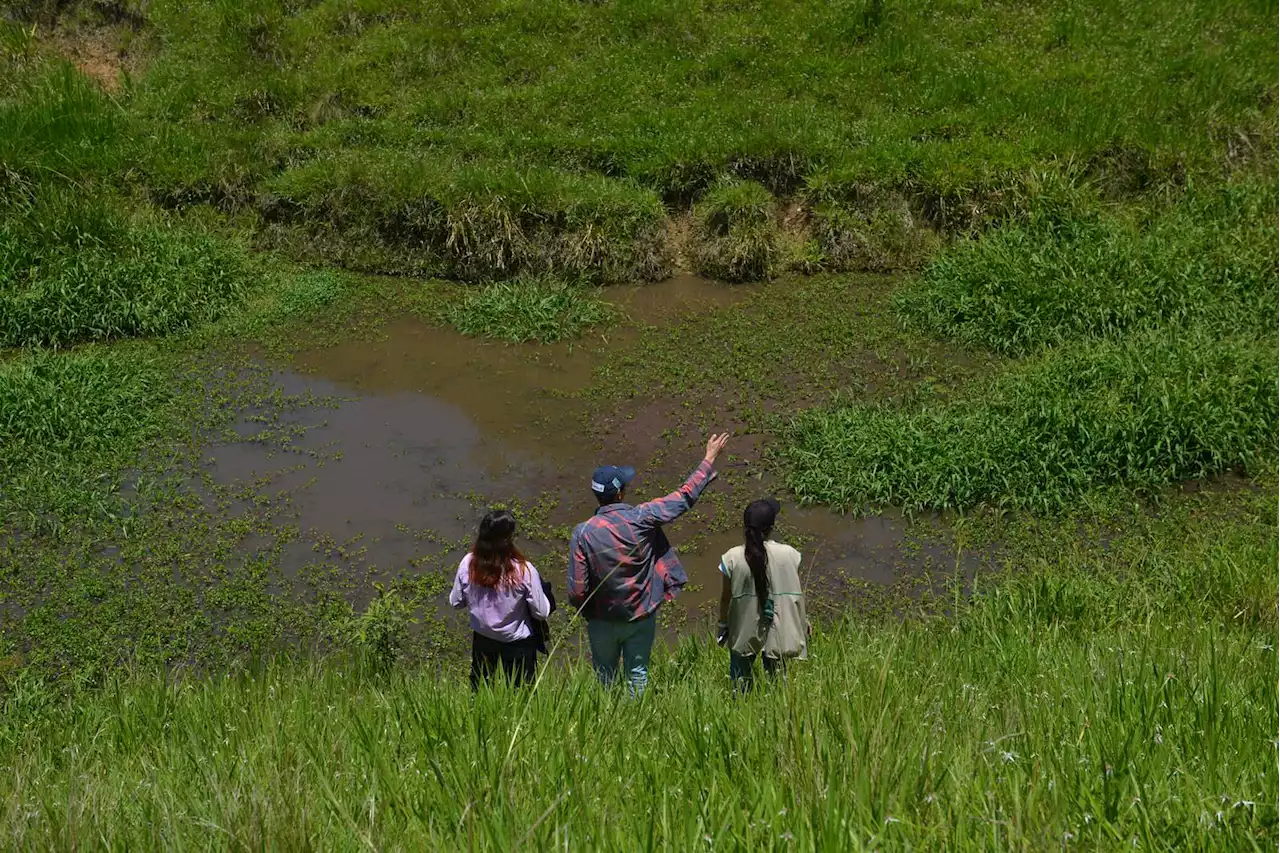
[(1151, 409), (735, 235), (56, 123), (883, 237), (391, 213), (75, 418), (307, 294), (76, 267), (1209, 258), (528, 309)]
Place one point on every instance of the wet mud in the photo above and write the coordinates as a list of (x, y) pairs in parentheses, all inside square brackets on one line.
[(419, 430)]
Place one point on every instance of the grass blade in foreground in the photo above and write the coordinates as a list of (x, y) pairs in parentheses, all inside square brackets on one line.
[(1104, 715)]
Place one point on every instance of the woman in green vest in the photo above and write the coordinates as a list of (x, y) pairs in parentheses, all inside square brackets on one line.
[(761, 604)]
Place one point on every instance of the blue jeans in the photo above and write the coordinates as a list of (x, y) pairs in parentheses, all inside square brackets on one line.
[(631, 641), (742, 669)]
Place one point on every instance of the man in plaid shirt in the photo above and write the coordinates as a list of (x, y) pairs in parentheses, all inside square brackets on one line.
[(621, 567)]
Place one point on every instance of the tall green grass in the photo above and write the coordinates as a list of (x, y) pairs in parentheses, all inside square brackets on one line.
[(77, 267), (735, 232), (72, 424), (1151, 409), (671, 94), (56, 124), (1069, 273), (386, 212), (77, 263), (1057, 709)]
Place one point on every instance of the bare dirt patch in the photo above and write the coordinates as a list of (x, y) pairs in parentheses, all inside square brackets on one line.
[(98, 53)]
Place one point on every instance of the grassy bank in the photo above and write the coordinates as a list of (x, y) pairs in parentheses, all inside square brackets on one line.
[(1149, 358), (381, 138), (1092, 701), (80, 260)]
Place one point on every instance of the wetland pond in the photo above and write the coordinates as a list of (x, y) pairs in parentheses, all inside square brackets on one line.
[(422, 429)]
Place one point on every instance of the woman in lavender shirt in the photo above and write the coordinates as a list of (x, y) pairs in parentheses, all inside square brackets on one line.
[(504, 595)]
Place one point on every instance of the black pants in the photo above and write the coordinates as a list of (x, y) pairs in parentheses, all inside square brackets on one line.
[(519, 659), (742, 669)]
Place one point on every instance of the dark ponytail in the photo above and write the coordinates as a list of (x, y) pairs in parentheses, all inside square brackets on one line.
[(758, 562), (757, 524)]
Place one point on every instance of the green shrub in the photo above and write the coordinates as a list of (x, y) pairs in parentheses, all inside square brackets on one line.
[(527, 309), (1153, 408), (1210, 258), (735, 235), (380, 632)]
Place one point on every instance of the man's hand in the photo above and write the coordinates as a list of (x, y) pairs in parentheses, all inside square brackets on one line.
[(714, 445)]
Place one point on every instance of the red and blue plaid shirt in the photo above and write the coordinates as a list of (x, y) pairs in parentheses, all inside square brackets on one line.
[(621, 567)]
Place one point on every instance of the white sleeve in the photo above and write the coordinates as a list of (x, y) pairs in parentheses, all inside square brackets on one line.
[(458, 595), (538, 603)]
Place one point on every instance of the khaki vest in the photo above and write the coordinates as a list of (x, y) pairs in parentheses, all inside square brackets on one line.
[(787, 637)]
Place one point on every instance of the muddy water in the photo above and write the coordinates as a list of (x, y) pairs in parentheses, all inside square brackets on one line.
[(431, 426)]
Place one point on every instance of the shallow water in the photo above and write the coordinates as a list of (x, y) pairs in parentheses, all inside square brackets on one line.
[(430, 427)]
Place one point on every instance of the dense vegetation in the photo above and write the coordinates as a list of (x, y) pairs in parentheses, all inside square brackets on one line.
[(1031, 248), (1152, 409), (1069, 706), (1073, 274), (1152, 361), (485, 139), (63, 417)]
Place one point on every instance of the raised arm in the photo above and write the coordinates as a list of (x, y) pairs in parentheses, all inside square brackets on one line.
[(670, 507)]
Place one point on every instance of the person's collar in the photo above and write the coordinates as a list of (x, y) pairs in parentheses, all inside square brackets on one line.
[(611, 507)]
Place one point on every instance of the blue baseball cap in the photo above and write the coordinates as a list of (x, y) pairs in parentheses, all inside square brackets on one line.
[(608, 480)]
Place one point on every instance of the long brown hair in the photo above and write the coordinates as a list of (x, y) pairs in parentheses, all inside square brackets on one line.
[(495, 560)]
